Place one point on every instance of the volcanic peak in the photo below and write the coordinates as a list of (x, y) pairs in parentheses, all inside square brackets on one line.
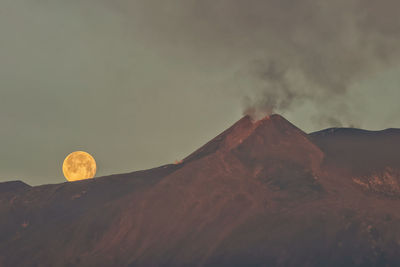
[(272, 136)]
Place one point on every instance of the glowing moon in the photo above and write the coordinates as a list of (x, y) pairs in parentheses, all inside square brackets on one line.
[(79, 165)]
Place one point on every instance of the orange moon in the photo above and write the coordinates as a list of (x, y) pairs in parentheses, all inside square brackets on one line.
[(79, 165)]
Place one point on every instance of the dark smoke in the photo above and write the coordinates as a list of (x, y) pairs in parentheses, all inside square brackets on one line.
[(291, 52)]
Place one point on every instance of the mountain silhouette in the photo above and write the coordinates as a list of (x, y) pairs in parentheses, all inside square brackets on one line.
[(262, 193)]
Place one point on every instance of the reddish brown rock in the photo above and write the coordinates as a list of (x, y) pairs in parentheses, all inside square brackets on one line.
[(262, 193)]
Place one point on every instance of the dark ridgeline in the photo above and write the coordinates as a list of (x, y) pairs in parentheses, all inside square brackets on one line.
[(260, 194)]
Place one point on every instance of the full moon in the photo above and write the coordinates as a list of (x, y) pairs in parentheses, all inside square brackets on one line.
[(79, 165)]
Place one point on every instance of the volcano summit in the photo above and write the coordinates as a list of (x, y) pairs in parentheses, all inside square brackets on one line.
[(262, 193)]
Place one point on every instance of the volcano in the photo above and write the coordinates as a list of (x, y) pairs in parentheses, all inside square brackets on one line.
[(262, 193)]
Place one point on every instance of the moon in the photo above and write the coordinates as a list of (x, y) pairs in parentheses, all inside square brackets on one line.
[(79, 165)]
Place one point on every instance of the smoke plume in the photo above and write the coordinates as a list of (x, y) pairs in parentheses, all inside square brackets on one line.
[(291, 53)]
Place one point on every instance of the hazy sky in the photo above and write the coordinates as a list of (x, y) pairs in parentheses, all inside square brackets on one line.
[(142, 83)]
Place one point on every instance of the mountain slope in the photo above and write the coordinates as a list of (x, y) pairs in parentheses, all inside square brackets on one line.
[(262, 193), (360, 151), (13, 187)]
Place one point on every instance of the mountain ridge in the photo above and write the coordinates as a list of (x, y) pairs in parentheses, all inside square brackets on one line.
[(262, 193)]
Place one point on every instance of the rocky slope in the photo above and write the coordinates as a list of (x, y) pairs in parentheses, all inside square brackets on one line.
[(262, 193)]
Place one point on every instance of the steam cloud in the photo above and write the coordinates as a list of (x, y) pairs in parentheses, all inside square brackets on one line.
[(292, 53)]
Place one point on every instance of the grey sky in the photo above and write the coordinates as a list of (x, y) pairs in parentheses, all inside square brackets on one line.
[(142, 83)]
